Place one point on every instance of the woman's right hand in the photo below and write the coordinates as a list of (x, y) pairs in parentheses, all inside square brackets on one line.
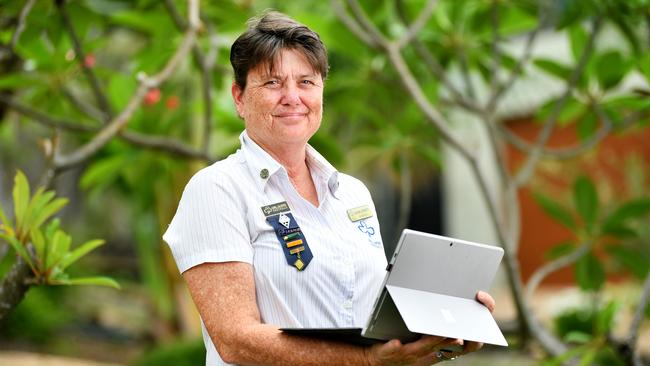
[(424, 351)]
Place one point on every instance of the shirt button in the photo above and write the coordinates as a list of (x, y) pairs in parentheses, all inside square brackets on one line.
[(264, 173), (347, 304)]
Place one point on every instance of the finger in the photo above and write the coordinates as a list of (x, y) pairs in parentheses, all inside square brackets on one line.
[(486, 300), (424, 345), (472, 347)]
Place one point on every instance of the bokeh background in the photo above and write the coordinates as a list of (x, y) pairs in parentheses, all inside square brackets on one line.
[(517, 123)]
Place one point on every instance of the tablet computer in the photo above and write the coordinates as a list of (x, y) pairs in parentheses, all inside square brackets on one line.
[(430, 288)]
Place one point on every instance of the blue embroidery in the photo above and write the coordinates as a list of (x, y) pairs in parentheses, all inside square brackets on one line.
[(366, 229)]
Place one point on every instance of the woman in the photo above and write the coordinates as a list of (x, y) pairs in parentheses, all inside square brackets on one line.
[(273, 236)]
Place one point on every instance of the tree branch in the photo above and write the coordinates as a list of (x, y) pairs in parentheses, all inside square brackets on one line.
[(159, 143), (20, 27), (95, 85), (549, 342), (418, 24), (62, 162), (553, 266), (436, 68), (519, 67), (365, 23), (529, 166), (570, 152), (639, 315), (351, 24), (206, 75), (14, 286), (85, 108), (496, 53)]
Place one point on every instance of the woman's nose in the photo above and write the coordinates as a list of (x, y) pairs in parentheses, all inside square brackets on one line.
[(290, 94)]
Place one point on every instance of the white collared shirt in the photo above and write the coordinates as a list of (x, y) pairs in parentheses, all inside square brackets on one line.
[(219, 219)]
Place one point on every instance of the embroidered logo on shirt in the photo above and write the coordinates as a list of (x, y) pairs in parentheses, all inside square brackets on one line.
[(366, 229)]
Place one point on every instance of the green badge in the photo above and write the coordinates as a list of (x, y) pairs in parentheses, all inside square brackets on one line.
[(359, 213)]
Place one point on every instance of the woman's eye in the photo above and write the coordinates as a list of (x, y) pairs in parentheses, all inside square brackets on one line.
[(271, 82), (308, 82)]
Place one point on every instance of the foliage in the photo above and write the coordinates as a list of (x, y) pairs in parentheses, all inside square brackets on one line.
[(181, 353), (610, 233), (371, 122), (47, 251)]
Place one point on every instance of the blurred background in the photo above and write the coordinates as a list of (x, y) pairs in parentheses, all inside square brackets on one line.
[(517, 123)]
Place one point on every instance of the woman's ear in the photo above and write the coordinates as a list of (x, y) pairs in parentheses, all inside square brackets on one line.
[(237, 96)]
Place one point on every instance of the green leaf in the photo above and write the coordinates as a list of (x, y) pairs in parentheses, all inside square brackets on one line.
[(589, 273), (52, 228), (560, 250), (578, 337), (571, 111), (630, 259), (49, 210), (557, 212), (644, 66), (630, 210), (103, 171), (578, 39), (3, 218), (587, 126), (59, 247), (79, 252), (553, 68), (588, 357), (619, 230), (605, 317), (610, 68), (40, 245), (21, 197), (98, 281), (586, 200), (19, 248), (17, 81)]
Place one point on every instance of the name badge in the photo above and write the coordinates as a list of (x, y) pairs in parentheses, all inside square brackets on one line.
[(359, 213)]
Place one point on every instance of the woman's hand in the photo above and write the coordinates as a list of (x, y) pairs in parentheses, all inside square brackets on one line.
[(426, 350)]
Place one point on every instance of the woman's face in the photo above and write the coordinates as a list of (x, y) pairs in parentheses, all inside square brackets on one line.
[(283, 108)]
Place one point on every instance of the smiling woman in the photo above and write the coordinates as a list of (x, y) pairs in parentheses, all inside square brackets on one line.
[(267, 238)]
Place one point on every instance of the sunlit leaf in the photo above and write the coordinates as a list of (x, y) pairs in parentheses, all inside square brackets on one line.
[(97, 281), (578, 337), (49, 210), (21, 197), (57, 249), (79, 252), (19, 248), (39, 243), (588, 357)]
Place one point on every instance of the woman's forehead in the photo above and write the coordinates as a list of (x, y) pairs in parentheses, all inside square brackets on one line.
[(286, 61)]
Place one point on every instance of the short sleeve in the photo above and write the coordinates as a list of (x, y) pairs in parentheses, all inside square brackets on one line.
[(209, 224)]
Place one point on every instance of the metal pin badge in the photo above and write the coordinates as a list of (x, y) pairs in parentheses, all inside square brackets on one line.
[(264, 173)]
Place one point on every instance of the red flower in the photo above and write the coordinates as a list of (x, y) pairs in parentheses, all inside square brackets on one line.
[(152, 97), (89, 60), (172, 102)]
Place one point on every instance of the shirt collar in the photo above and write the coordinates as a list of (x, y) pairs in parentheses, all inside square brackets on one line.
[(263, 166)]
